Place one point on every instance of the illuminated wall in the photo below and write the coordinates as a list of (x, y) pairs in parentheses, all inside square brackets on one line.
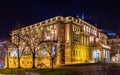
[(26, 62), (76, 39), (114, 43)]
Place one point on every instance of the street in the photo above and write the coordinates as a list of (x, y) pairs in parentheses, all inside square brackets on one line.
[(93, 70)]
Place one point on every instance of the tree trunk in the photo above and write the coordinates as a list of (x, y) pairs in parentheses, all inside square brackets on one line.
[(19, 62), (18, 58), (33, 60), (7, 59), (52, 63)]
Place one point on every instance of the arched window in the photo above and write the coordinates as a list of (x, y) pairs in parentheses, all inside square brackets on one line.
[(44, 52)]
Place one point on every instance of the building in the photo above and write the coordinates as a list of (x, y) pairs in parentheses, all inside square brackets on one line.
[(78, 41), (114, 43), (3, 51)]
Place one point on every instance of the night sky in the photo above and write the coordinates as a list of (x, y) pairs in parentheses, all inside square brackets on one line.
[(104, 14)]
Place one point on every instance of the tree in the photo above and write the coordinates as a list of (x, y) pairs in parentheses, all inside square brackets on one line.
[(16, 41), (35, 36), (16, 44), (2, 53), (52, 49), (32, 39), (51, 45), (6, 44)]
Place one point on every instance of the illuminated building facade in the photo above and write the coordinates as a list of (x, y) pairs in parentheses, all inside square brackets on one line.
[(114, 43), (79, 41)]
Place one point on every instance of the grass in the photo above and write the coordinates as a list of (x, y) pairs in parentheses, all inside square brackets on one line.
[(59, 72), (41, 71), (12, 71)]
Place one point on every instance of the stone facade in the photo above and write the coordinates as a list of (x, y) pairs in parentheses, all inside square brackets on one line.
[(76, 40)]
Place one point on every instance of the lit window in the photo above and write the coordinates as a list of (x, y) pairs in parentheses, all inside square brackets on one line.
[(53, 51), (44, 51)]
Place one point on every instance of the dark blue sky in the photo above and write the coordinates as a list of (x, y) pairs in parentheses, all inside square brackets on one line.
[(105, 13)]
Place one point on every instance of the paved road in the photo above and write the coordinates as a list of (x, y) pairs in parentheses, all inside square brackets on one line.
[(88, 69)]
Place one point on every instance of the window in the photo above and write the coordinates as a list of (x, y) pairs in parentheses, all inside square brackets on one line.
[(53, 51), (44, 52)]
